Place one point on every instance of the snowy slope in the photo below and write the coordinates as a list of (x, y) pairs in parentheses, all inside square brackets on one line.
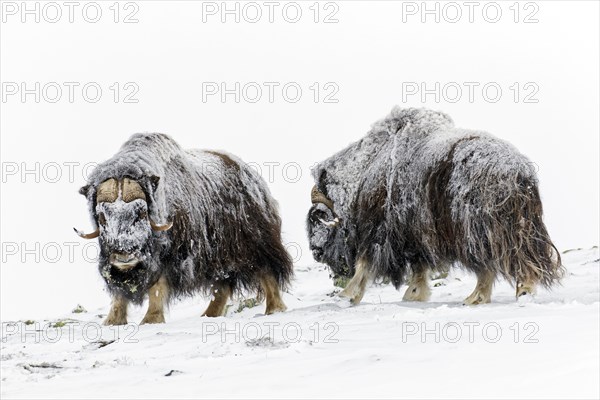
[(548, 347)]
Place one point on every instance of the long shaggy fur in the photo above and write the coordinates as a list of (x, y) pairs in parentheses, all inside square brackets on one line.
[(417, 193), (226, 228)]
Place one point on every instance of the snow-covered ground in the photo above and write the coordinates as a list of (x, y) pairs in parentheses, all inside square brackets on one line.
[(547, 347)]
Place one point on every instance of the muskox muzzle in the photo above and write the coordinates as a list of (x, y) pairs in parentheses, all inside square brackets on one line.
[(124, 261)]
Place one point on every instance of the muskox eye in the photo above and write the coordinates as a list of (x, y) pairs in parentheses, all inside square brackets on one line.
[(101, 219), (325, 219), (329, 223), (319, 215), (142, 215)]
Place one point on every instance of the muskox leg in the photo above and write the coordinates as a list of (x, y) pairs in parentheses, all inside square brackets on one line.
[(216, 308), (118, 311), (525, 287), (483, 291), (157, 296), (355, 290), (273, 295), (418, 290)]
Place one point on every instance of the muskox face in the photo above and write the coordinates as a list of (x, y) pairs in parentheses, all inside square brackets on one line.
[(322, 225), (124, 228), (124, 225)]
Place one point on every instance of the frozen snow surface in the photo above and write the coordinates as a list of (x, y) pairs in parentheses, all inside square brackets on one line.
[(543, 347)]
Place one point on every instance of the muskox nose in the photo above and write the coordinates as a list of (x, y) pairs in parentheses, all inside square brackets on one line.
[(123, 261), (123, 258)]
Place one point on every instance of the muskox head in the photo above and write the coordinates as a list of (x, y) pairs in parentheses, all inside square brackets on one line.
[(321, 225), (123, 224), (326, 234)]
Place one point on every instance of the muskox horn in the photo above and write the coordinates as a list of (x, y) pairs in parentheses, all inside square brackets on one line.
[(108, 191), (317, 197), (132, 191), (160, 228), (92, 235)]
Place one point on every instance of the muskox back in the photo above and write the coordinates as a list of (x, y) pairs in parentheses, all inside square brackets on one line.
[(226, 229), (418, 191)]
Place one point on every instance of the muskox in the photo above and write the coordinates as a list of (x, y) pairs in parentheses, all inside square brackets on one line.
[(173, 222), (417, 194)]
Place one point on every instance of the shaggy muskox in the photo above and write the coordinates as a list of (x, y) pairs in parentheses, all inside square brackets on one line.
[(416, 194), (223, 234)]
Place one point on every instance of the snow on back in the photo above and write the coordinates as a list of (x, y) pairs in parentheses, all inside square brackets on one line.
[(408, 142)]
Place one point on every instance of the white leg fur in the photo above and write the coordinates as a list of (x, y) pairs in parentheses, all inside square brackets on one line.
[(483, 291), (525, 288), (274, 301), (118, 311), (418, 290), (218, 304), (355, 290), (157, 296)]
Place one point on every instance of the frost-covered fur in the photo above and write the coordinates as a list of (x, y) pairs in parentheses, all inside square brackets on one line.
[(417, 193), (226, 228)]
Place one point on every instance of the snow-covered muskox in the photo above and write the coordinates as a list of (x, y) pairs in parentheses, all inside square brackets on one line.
[(416, 194), (221, 231)]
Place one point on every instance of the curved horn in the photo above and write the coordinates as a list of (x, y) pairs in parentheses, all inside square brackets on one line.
[(160, 228), (92, 235), (317, 197)]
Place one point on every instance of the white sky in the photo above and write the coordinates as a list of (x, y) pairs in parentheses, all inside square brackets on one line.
[(372, 55)]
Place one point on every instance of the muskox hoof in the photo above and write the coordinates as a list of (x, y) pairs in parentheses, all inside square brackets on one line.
[(213, 313), (349, 298), (275, 308), (477, 297), (343, 301), (417, 293), (153, 319), (524, 289), (111, 320)]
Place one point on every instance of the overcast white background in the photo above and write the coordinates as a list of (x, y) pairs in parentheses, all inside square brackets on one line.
[(372, 54)]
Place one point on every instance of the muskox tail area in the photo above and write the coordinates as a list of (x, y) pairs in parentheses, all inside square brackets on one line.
[(508, 234), (277, 260), (266, 243)]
